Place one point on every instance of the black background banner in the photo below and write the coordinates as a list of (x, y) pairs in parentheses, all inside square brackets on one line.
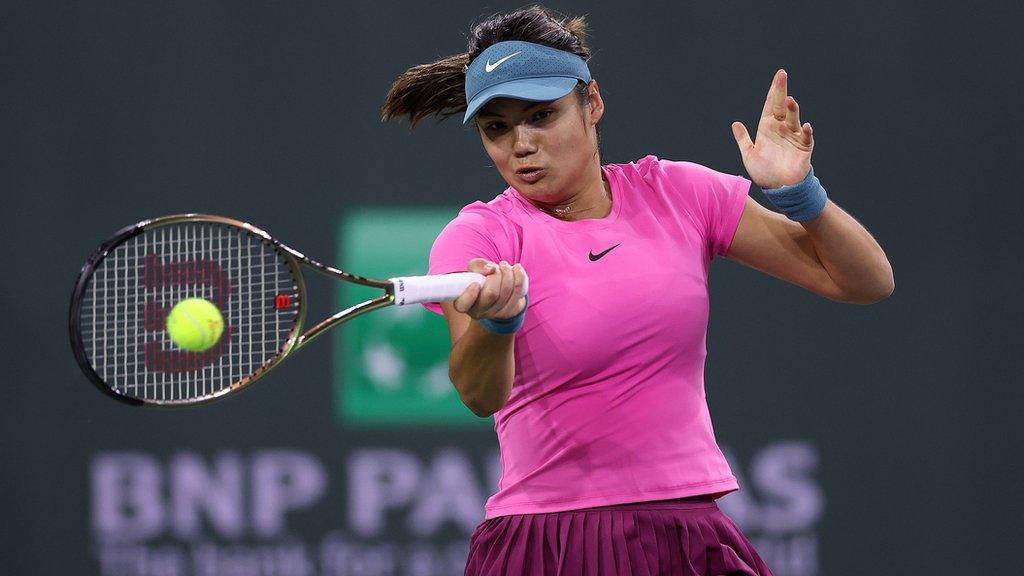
[(868, 440)]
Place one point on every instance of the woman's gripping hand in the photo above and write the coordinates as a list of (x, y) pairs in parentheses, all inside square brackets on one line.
[(502, 296)]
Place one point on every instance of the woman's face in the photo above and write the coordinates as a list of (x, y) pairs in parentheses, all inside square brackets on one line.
[(543, 149)]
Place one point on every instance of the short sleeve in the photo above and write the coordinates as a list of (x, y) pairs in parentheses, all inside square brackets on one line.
[(477, 232), (715, 198)]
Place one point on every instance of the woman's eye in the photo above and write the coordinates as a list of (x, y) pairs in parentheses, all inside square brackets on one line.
[(495, 126), (542, 114)]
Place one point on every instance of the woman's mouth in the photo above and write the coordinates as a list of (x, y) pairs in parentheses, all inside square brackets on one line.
[(530, 174)]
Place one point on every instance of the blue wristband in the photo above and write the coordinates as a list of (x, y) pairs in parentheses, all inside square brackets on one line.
[(506, 325), (800, 202)]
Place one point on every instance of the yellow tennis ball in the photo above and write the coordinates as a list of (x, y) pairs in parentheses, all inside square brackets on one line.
[(195, 324)]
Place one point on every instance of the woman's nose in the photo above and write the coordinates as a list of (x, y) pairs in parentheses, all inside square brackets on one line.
[(525, 141)]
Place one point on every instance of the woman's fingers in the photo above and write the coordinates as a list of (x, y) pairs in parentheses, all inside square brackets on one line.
[(508, 283), (520, 280), (516, 302), (501, 295), (792, 114), (808, 134), (464, 303), (516, 288), (494, 294), (739, 132), (495, 288), (481, 266), (775, 101)]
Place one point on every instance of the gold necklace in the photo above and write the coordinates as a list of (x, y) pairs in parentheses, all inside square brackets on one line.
[(564, 211)]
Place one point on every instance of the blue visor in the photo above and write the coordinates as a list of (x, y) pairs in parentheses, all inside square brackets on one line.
[(521, 70)]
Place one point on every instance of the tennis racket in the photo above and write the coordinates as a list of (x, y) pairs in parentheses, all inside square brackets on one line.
[(130, 283)]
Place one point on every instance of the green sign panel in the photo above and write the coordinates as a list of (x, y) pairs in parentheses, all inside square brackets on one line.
[(391, 366)]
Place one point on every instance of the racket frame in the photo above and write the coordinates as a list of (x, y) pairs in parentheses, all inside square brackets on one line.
[(296, 338)]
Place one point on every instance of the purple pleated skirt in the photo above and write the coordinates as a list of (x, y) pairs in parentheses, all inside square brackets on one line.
[(684, 537)]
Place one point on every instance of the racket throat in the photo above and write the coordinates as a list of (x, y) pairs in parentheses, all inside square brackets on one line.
[(344, 316)]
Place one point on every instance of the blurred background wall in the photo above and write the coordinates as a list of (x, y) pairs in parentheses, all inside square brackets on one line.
[(867, 440)]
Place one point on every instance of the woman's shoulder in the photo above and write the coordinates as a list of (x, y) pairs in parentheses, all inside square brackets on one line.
[(640, 167), (490, 217), (652, 165), (497, 209), (660, 174)]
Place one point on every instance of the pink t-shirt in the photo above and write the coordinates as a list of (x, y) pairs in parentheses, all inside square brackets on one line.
[(608, 406)]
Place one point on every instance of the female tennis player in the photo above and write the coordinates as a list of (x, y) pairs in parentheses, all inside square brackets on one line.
[(594, 369)]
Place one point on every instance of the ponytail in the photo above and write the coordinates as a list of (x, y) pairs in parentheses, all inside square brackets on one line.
[(437, 89)]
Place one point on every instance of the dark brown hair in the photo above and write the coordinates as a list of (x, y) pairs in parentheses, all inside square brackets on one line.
[(438, 88)]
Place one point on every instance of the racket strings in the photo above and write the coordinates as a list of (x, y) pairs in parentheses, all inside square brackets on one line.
[(125, 306)]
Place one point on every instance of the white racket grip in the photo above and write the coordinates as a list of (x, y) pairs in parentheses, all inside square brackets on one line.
[(436, 287)]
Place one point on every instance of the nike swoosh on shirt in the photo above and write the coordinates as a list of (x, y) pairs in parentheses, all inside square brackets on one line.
[(490, 67), (599, 255)]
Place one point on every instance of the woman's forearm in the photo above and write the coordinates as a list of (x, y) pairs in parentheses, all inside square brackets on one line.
[(852, 257), (481, 365)]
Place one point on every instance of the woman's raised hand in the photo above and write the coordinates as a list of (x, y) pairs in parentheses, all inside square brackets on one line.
[(782, 154), (502, 295)]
